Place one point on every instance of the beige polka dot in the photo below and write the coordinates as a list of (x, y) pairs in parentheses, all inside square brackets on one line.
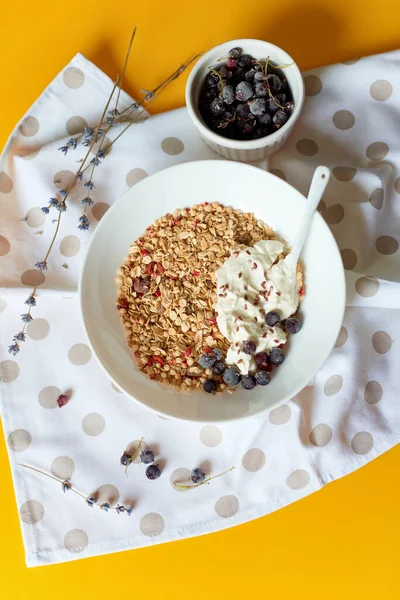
[(93, 424), (38, 329), (381, 342), (321, 435), (172, 146), (76, 125), (298, 479), (351, 62), (114, 387), (253, 460), (312, 84), (105, 145), (397, 185), (210, 435), (307, 147), (376, 198), (280, 415), (9, 371), (342, 337), (381, 90), (3, 305), (73, 77), (182, 477), (33, 278), (333, 385), (31, 512), (349, 258), (343, 119), (63, 467), (321, 206), (99, 210), (227, 506), (152, 524), (135, 175), (106, 493), (373, 392), (19, 440), (29, 127), (6, 184), (79, 354), (367, 286), (333, 214), (362, 442), (385, 244), (63, 179), (4, 246), (48, 396), (69, 246), (377, 151), (344, 173), (76, 541), (27, 153), (278, 173), (35, 217)]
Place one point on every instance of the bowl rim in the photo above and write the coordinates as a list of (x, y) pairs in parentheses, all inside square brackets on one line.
[(267, 140), (100, 226)]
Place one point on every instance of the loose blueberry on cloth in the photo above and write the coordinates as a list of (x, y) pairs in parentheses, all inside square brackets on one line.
[(345, 419)]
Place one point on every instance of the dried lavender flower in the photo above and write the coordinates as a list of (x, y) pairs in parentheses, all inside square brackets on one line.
[(63, 192), (72, 143), (105, 506), (90, 501), (87, 201), (66, 486), (64, 149), (45, 209), (41, 265), (53, 202), (19, 337), (120, 509), (128, 510), (89, 185), (30, 301), (14, 349), (83, 223), (95, 161), (26, 318)]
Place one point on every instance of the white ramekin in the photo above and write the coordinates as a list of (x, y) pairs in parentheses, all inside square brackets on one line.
[(247, 150)]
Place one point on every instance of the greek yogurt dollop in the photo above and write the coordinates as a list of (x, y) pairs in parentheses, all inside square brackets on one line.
[(249, 285)]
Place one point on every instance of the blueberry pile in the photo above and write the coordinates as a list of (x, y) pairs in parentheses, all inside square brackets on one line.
[(245, 98), (231, 375)]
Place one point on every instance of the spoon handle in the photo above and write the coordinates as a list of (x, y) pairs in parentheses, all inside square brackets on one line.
[(318, 184)]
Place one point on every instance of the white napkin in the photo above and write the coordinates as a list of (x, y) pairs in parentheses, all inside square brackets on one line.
[(345, 419)]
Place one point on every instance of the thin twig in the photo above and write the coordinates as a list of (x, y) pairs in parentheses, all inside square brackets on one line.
[(134, 455), (125, 65)]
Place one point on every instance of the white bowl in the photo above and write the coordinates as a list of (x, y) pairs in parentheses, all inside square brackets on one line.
[(248, 149), (243, 187)]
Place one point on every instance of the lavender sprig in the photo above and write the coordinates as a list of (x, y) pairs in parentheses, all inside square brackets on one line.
[(90, 501)]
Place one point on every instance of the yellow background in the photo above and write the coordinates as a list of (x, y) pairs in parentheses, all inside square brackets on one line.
[(342, 542)]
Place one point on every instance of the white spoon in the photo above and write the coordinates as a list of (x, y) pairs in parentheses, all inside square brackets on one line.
[(317, 188)]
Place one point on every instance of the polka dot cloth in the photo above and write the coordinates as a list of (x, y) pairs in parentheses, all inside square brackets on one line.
[(346, 417)]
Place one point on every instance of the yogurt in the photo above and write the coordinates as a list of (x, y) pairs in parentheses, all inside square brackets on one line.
[(249, 285)]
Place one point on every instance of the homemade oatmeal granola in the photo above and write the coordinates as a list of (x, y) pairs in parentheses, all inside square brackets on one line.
[(167, 289)]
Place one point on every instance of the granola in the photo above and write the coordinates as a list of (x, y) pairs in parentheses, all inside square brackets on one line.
[(167, 289)]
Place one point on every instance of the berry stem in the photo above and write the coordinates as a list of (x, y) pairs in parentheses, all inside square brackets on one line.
[(134, 455), (195, 485)]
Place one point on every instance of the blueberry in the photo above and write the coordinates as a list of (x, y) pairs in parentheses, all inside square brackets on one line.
[(231, 376), (218, 368), (272, 318), (225, 72), (258, 107), (280, 117), (289, 106), (260, 132), (292, 325), (217, 107), (260, 90), (261, 358), (242, 111), (250, 75), (248, 382), (147, 456), (209, 386), (245, 61), (262, 377), (210, 94), (228, 94), (217, 353), (246, 126), (258, 77), (274, 82), (235, 53), (249, 347), (206, 361), (244, 91), (211, 79), (280, 99), (272, 107), (265, 120), (153, 472), (197, 475), (276, 356), (125, 459)]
